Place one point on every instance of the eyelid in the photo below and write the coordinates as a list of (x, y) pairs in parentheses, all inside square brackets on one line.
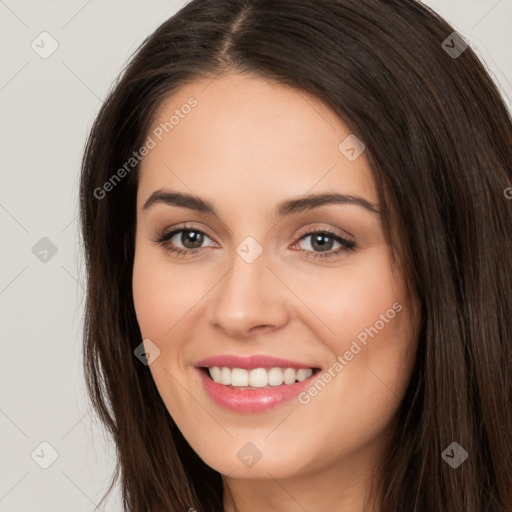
[(327, 229), (168, 233), (309, 230)]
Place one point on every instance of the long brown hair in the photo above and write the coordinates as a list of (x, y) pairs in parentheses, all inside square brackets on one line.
[(438, 139)]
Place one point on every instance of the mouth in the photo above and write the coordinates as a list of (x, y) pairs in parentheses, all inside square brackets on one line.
[(254, 384), (257, 378)]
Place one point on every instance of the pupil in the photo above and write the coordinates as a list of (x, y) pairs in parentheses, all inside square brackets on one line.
[(193, 237), (320, 240)]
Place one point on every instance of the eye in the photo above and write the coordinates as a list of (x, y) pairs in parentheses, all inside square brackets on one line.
[(192, 240), (322, 242), (189, 237)]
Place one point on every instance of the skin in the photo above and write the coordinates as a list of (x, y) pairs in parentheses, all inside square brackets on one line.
[(248, 145)]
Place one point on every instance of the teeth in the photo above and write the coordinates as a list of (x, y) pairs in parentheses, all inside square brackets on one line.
[(238, 377), (289, 376), (259, 377), (303, 374), (225, 376), (275, 377)]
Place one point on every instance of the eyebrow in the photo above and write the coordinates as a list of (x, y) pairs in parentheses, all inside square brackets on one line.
[(288, 207)]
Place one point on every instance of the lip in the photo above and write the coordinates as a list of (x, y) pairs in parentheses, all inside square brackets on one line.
[(251, 400), (250, 362)]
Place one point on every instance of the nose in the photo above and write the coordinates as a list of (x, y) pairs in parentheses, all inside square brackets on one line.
[(248, 300)]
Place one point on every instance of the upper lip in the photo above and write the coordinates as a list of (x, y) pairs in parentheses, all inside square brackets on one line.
[(250, 362)]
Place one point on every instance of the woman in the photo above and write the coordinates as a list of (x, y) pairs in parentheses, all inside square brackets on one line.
[(297, 231)]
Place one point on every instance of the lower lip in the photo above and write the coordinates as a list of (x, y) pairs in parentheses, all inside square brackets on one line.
[(252, 400)]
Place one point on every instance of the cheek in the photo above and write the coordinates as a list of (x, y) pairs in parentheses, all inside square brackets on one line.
[(364, 319), (162, 293), (367, 312), (349, 299)]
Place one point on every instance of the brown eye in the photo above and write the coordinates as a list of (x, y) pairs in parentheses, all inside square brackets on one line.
[(185, 241), (322, 242), (194, 238)]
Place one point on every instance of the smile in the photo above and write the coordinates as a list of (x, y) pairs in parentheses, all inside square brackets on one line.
[(259, 377), (253, 384)]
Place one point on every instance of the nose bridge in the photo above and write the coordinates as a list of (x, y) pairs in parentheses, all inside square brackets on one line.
[(249, 295)]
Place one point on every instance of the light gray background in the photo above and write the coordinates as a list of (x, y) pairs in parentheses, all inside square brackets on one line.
[(47, 107)]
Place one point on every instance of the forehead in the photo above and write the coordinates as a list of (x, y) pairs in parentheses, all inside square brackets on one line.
[(248, 135)]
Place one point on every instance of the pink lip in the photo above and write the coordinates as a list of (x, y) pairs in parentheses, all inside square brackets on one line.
[(251, 400), (250, 362)]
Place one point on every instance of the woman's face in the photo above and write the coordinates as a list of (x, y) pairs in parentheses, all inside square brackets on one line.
[(283, 257)]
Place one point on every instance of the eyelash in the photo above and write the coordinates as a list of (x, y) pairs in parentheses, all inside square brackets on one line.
[(347, 245)]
